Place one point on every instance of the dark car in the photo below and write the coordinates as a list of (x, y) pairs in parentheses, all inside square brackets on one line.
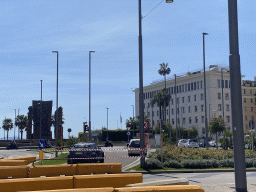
[(202, 144), (12, 145), (47, 144), (85, 150), (108, 144)]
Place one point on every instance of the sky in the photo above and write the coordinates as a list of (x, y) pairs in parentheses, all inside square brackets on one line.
[(172, 33)]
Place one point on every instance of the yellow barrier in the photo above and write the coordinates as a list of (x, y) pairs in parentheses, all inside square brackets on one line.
[(29, 159), (167, 188), (13, 171), (96, 168), (52, 170), (107, 189), (33, 184), (106, 180), (12, 162)]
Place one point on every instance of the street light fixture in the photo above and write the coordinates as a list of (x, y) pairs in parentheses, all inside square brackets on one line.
[(90, 130), (205, 107), (56, 116), (107, 122)]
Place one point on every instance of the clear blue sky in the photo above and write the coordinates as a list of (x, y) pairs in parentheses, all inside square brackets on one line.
[(172, 33)]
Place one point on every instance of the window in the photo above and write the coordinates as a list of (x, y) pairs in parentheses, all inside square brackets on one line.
[(182, 89), (183, 99), (227, 107), (188, 98), (190, 120), (172, 101), (219, 107), (202, 119), (172, 111), (244, 91), (184, 121), (198, 85), (244, 100), (189, 109), (226, 83), (157, 113), (219, 95), (189, 87), (251, 100), (218, 83), (153, 122), (202, 107), (251, 109), (201, 84), (186, 87), (194, 85), (196, 120), (196, 108), (195, 98), (177, 88), (226, 96), (167, 112), (183, 110), (203, 130), (173, 121), (152, 113), (148, 105), (202, 96), (228, 118)]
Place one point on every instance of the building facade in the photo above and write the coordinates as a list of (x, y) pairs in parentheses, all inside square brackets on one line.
[(190, 99)]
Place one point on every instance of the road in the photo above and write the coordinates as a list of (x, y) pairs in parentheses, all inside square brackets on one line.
[(12, 153)]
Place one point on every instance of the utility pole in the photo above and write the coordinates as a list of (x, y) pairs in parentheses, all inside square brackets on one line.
[(236, 99), (175, 91), (41, 113)]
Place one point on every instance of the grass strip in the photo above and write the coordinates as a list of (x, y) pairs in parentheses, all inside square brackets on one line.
[(55, 161)]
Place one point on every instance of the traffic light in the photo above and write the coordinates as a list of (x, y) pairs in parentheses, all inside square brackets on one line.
[(163, 128), (86, 128)]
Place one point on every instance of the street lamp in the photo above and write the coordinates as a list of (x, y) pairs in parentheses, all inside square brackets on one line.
[(205, 107), (107, 122), (41, 111), (56, 116), (133, 122), (90, 130)]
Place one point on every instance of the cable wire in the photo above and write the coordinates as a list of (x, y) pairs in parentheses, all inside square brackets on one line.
[(152, 9)]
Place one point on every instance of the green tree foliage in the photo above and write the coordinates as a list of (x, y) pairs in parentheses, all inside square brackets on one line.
[(7, 125), (136, 123), (21, 122), (226, 142), (216, 126), (192, 133)]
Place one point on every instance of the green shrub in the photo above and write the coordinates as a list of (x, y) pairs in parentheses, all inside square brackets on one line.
[(250, 162), (172, 164), (153, 163), (226, 163)]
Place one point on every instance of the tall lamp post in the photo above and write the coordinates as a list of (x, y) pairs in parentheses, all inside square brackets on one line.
[(175, 92), (133, 122), (14, 123), (41, 111), (205, 107), (107, 121), (236, 99), (90, 130), (56, 117)]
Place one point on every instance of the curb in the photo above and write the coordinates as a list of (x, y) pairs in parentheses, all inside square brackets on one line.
[(188, 171)]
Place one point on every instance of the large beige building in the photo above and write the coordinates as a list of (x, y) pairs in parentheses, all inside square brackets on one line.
[(190, 99), (249, 107)]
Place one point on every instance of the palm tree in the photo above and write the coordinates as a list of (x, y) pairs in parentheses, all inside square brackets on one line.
[(7, 125), (21, 122), (162, 98), (164, 70)]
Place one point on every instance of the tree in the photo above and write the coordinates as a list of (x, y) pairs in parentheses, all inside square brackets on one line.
[(216, 126), (53, 122), (164, 70), (192, 133), (7, 125), (21, 122), (227, 140)]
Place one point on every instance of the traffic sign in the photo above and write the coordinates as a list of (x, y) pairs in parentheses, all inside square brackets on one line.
[(41, 144), (128, 128), (128, 133), (145, 124), (252, 124)]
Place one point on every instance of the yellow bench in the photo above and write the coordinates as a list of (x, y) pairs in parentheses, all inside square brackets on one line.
[(12, 162), (98, 168), (13, 171)]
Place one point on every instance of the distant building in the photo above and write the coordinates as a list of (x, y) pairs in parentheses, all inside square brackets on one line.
[(190, 99), (249, 104)]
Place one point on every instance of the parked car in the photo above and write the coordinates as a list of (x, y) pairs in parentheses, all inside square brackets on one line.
[(181, 142), (191, 143), (85, 150), (134, 147), (202, 143), (213, 144)]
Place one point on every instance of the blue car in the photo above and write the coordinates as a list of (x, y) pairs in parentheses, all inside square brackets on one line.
[(202, 144)]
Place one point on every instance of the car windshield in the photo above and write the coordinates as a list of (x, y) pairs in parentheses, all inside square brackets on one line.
[(135, 144), (82, 146)]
